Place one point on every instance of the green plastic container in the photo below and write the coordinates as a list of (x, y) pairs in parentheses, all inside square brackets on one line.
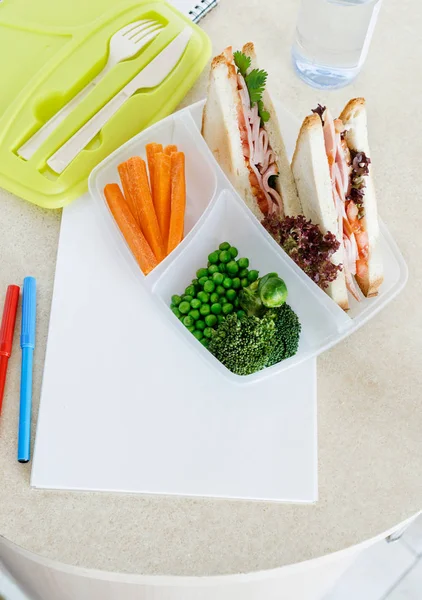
[(56, 47)]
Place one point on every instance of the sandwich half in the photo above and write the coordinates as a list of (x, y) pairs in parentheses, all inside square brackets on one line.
[(241, 128), (333, 174)]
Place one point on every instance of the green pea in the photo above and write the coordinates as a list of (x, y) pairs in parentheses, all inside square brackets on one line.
[(236, 302), (227, 283), (176, 311), (205, 342), (233, 252), (236, 283), (244, 282), (223, 301), (200, 325), (227, 308), (176, 300), (216, 308), (202, 273), (241, 314), (220, 290), (243, 273), (253, 276), (224, 246), (198, 334), (210, 320), (202, 281), (221, 319), (222, 267), (184, 307), (232, 267), (203, 297), (231, 295), (188, 321), (194, 314), (213, 257), (195, 282), (191, 328), (209, 286), (218, 278), (190, 290), (214, 298), (187, 298), (205, 310), (212, 269), (243, 263), (208, 332), (225, 256), (195, 303)]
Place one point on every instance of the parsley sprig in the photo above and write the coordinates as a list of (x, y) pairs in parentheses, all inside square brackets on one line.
[(255, 82)]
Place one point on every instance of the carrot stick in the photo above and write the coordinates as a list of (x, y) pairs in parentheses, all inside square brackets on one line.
[(151, 150), (170, 149), (124, 178), (142, 200), (178, 200), (162, 187), (129, 227)]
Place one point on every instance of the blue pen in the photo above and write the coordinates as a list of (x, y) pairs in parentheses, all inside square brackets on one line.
[(27, 344)]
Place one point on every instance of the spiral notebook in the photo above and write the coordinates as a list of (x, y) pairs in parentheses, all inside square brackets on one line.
[(196, 11)]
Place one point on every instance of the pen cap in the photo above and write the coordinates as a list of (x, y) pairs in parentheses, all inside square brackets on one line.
[(7, 327), (29, 299)]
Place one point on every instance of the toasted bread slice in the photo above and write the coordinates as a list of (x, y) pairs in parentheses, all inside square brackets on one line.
[(220, 128), (313, 181), (355, 121)]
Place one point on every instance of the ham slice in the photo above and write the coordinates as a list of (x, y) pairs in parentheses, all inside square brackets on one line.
[(257, 150), (340, 177)]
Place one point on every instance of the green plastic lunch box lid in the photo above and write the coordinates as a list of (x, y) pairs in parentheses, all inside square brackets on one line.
[(50, 50)]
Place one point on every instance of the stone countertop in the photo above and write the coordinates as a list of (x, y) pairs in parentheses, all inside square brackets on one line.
[(369, 386)]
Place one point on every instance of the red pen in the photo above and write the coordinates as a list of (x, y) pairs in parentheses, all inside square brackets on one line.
[(6, 333)]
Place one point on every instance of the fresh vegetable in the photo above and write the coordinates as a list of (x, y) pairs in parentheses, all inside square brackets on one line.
[(360, 169), (178, 200), (305, 243), (244, 345), (141, 198), (247, 328), (286, 340), (130, 229), (170, 149), (213, 294), (268, 292), (162, 191), (151, 150), (255, 81), (124, 179)]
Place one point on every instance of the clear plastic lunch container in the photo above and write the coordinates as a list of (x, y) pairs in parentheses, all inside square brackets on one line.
[(216, 213)]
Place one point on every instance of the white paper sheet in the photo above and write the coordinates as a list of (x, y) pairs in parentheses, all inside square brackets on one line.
[(122, 411)]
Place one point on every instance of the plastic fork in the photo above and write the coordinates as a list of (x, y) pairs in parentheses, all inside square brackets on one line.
[(124, 44)]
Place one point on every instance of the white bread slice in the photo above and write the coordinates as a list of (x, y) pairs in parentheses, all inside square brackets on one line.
[(221, 132), (285, 184), (355, 121), (313, 181)]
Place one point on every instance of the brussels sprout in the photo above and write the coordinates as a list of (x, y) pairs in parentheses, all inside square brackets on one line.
[(272, 290), (269, 291)]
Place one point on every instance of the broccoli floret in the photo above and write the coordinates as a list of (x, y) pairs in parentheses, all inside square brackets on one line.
[(287, 334), (244, 345)]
